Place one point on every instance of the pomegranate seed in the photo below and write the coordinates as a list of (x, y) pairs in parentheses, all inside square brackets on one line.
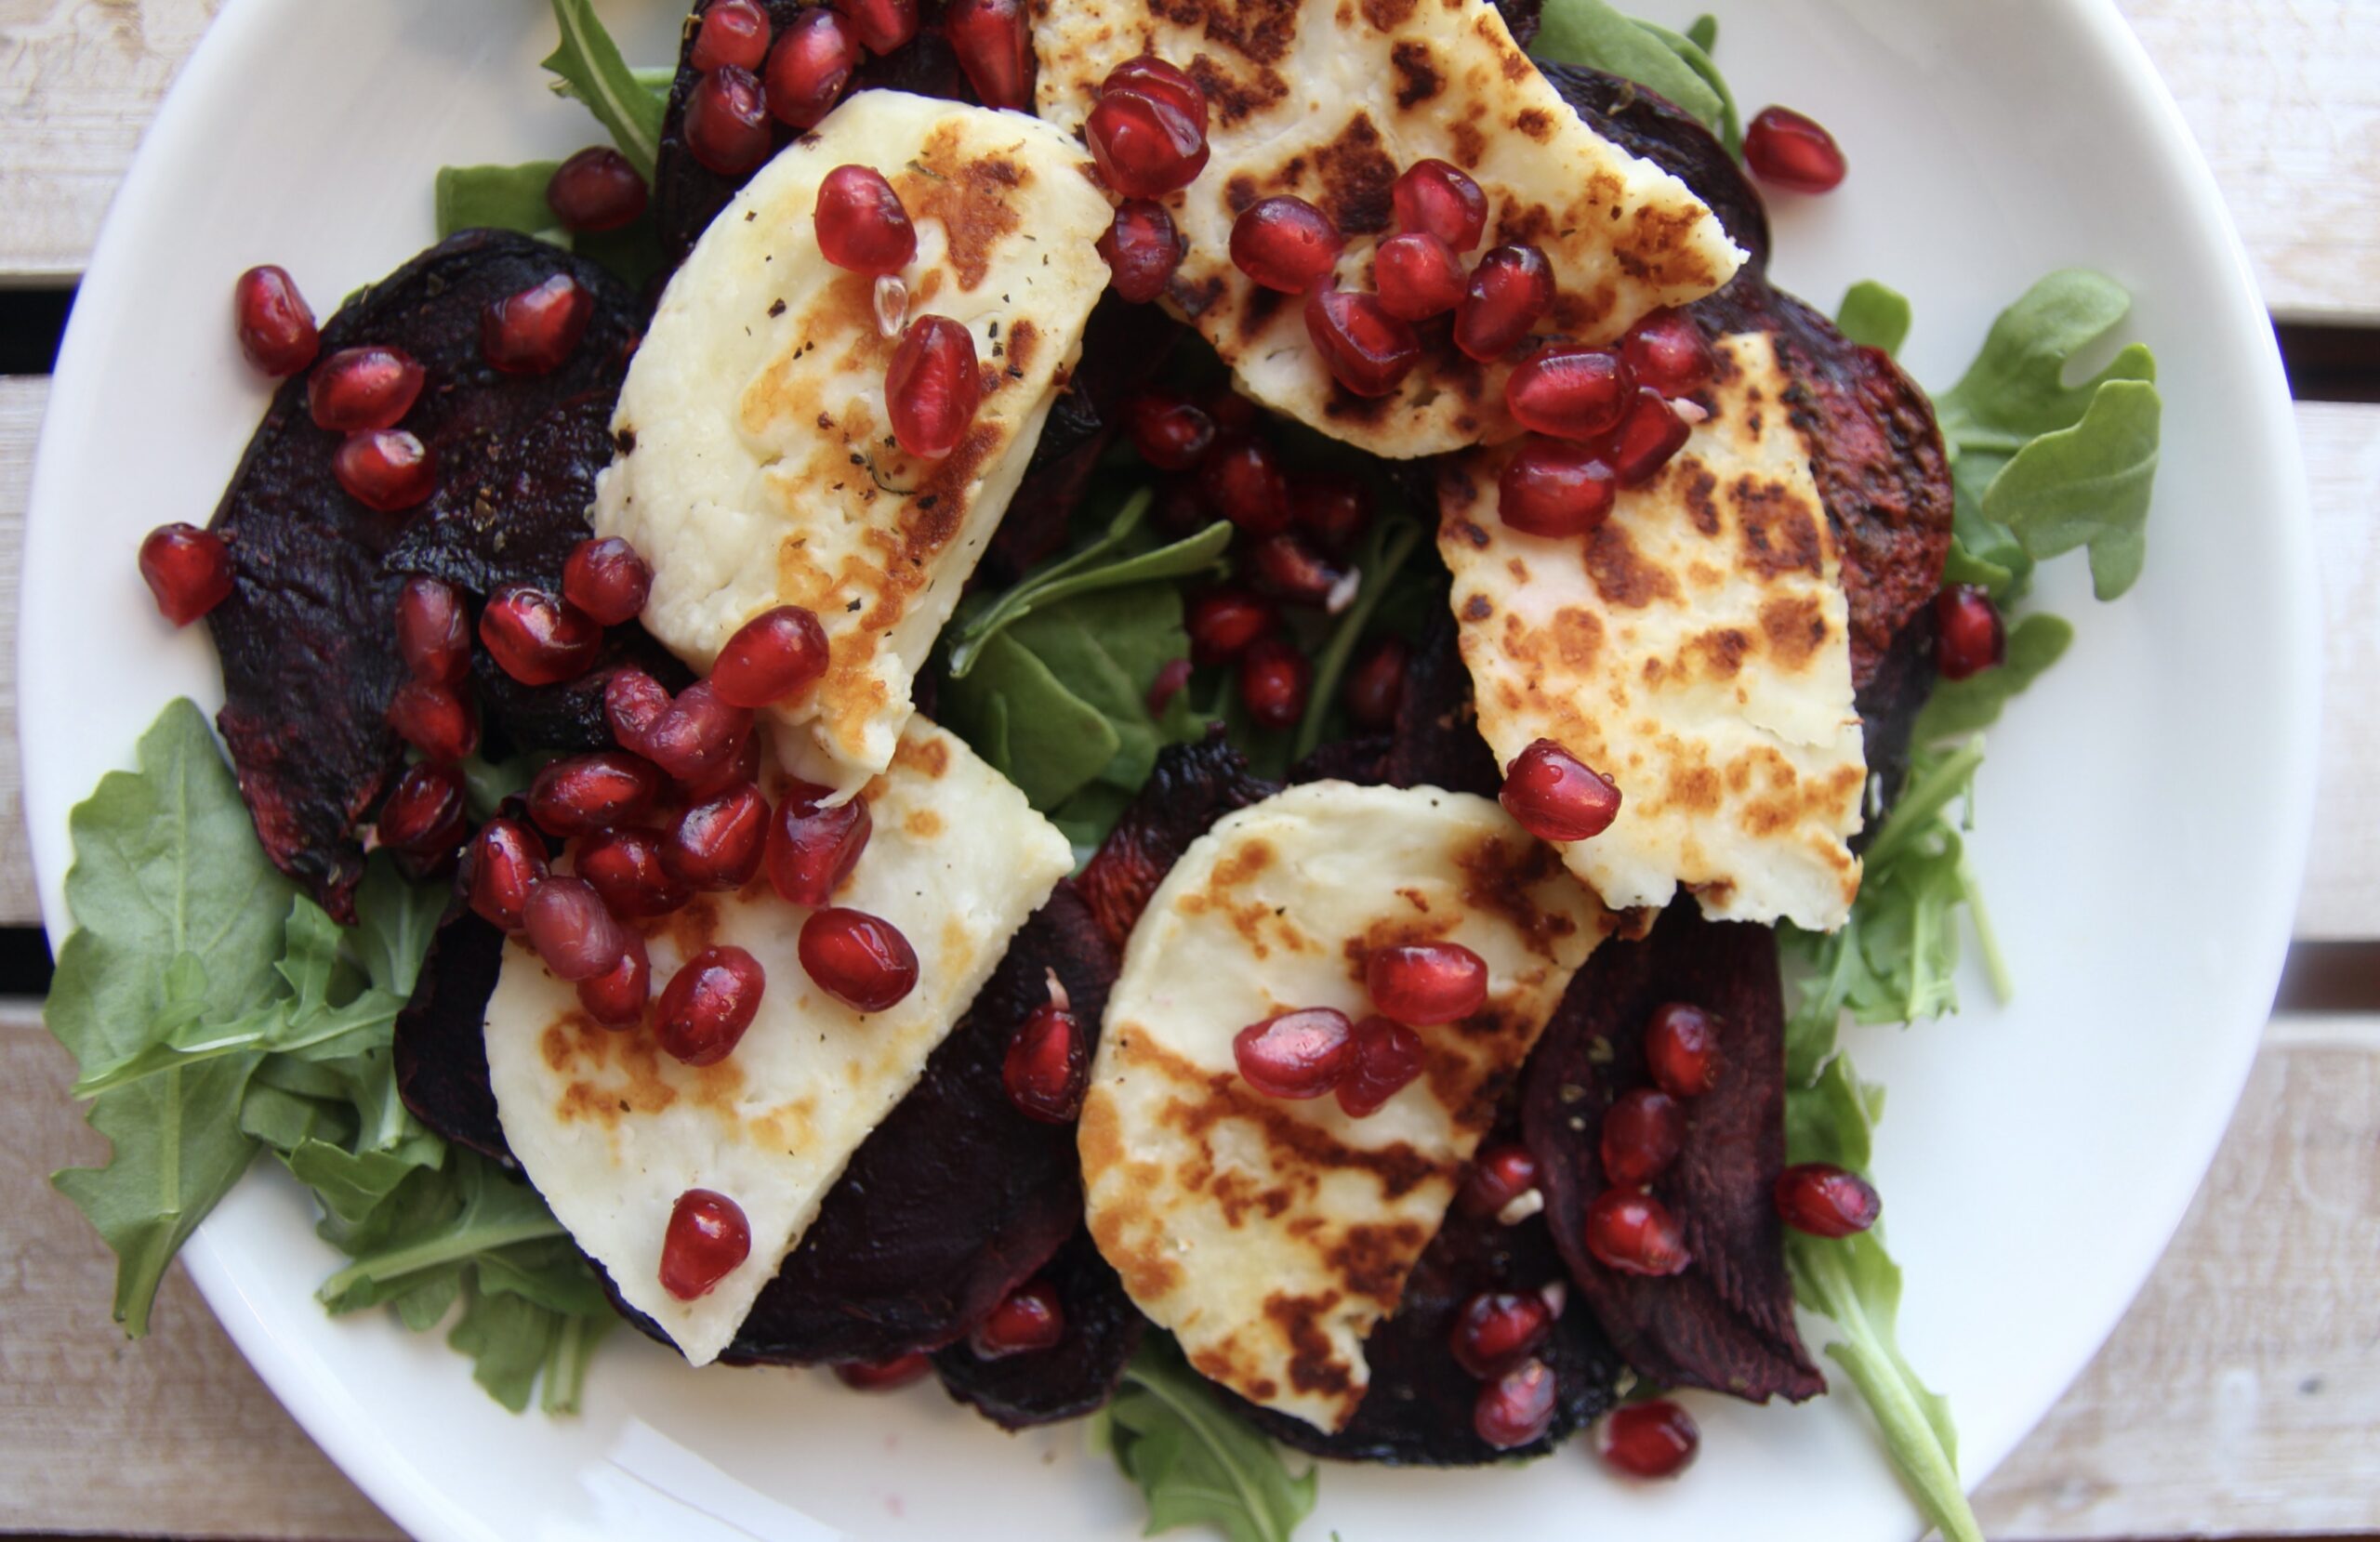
[(434, 719), (1681, 1050), (861, 226), (744, 765), (1635, 1235), (727, 121), (811, 849), (1334, 509), (508, 861), (1171, 679), (1233, 413), (1969, 636), (385, 469), (1223, 623), (1418, 275), (363, 387), (1437, 198), (697, 737), (716, 844), (1386, 1059), (1518, 1407), (1144, 145), (188, 570), (1243, 482), (1285, 244), (1288, 568), (1047, 1067), (1575, 393), (1170, 431), (1643, 1132), (617, 997), (433, 631), (276, 326), (625, 867), (607, 579), (880, 25), (1274, 678), (1297, 1054), (809, 66), (1650, 1440), (1142, 248), (1510, 290), (596, 190), (932, 388), (592, 792), (861, 960), (1783, 147), (1029, 1318), (994, 42), (574, 936), (633, 702), (732, 32), (1552, 488), (1666, 351), (1180, 509), (1376, 684), (771, 656), (882, 1376), (707, 1239), (1425, 983), (536, 637), (1365, 347), (708, 1004), (1826, 1201), (1497, 1328), (424, 815), (536, 331), (1646, 437), (1153, 77), (1499, 1175), (1556, 797)]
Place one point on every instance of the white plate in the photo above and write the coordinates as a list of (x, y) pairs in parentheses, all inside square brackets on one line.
[(2144, 814)]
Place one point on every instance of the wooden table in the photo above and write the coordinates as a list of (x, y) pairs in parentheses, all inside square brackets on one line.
[(2240, 1396)]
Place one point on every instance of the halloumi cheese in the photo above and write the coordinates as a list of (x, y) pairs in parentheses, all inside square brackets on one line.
[(1331, 100), (755, 464), (1695, 649), (612, 1130), (1270, 1234)]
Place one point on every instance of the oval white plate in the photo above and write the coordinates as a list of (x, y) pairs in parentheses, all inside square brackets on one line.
[(2036, 1156)]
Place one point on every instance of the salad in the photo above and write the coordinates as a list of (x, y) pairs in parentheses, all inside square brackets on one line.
[(1194, 719)]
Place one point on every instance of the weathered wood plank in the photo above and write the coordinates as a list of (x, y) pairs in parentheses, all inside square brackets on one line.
[(20, 407)]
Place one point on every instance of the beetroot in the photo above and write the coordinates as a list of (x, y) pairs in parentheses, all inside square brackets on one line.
[(1068, 1379)]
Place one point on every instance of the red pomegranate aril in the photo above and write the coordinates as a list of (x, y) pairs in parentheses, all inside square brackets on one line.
[(625, 867), (1666, 351), (1969, 636), (1242, 482), (1031, 1317), (883, 1375), (576, 937), (424, 815), (595, 191), (1151, 76), (1376, 684), (1635, 1235), (1681, 1050), (742, 765), (1825, 1200), (1510, 290), (811, 849), (861, 226), (1426, 983), (363, 387), (1556, 489), (772, 657), (1646, 437), (1556, 797), (1334, 509), (809, 66), (1643, 1132), (1288, 568), (1783, 147), (1274, 679), (1141, 247), (1497, 1328), (592, 792), (1574, 393), (727, 121), (1650, 1440), (1285, 244), (1223, 623), (707, 1005), (508, 861), (1145, 147), (1499, 1175), (716, 845), (932, 388), (1180, 509), (275, 324), (1438, 198), (1386, 1059), (880, 25), (1048, 1066), (732, 32), (994, 42), (1171, 432), (1516, 1409), (606, 579), (188, 570), (707, 1239), (633, 702), (617, 997), (385, 469), (1366, 348), (433, 631), (1418, 275), (861, 960), (435, 720), (1170, 678), (1296, 1054), (536, 331), (697, 737)]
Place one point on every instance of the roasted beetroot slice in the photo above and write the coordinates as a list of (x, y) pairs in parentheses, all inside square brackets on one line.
[(1644, 123), (1889, 701), (1073, 1376), (1363, 761), (1192, 786), (1435, 742), (441, 1046), (568, 718), (309, 652), (1726, 1322)]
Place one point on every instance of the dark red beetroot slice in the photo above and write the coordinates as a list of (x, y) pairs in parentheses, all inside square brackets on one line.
[(1192, 786), (307, 638), (440, 1052), (1434, 742), (1726, 1322), (1074, 1375)]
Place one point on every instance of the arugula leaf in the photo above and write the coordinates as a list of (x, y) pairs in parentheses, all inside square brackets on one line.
[(1591, 33), (1050, 740), (1390, 543), (589, 61), (1697, 56), (1959, 707), (2087, 485), (1874, 316), (495, 1212), (502, 198), (1195, 1464)]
